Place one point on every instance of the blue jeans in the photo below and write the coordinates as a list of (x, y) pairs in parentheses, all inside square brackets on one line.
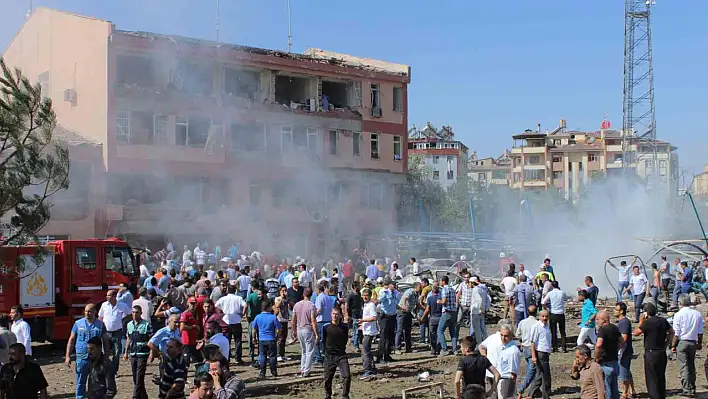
[(83, 367), (268, 347), (448, 320), (611, 371), (621, 286), (530, 371), (252, 343), (478, 327), (424, 328), (355, 333), (319, 347)]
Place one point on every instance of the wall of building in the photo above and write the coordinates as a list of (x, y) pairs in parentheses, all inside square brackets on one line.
[(73, 49)]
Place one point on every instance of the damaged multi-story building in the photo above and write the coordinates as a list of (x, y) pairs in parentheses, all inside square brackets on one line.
[(291, 153), (490, 171)]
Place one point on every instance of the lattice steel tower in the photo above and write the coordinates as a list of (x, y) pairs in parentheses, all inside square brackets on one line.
[(638, 117)]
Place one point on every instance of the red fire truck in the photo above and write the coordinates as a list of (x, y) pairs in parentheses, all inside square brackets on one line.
[(54, 287)]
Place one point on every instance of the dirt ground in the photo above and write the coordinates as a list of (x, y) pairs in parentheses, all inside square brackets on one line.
[(388, 384)]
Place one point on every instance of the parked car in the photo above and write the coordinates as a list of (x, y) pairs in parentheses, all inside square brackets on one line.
[(432, 274)]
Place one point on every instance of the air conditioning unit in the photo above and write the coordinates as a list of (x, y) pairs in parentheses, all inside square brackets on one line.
[(70, 95), (376, 111)]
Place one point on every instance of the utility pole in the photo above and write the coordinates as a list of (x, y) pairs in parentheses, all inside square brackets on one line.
[(290, 29), (638, 116), (217, 20)]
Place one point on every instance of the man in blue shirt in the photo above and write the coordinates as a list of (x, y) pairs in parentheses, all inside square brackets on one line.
[(267, 325), (587, 323), (324, 304), (82, 331), (158, 342), (372, 271), (387, 321)]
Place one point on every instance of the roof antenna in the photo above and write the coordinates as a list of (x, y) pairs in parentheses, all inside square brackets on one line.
[(290, 30), (217, 20), (31, 8)]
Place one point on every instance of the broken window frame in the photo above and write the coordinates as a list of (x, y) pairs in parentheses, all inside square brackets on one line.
[(347, 100), (398, 99), (148, 78), (356, 144), (252, 96), (451, 175), (374, 143), (313, 140), (397, 148), (123, 121), (261, 128), (436, 175), (375, 95), (159, 129), (333, 141), (306, 90), (185, 121), (286, 139), (355, 97)]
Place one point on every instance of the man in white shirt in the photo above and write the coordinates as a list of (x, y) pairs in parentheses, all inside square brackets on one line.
[(556, 300), (243, 283), (21, 328), (112, 314), (540, 355), (509, 360), (478, 310), (525, 331), (525, 272), (491, 348), (464, 300), (370, 330), (414, 266), (217, 338), (233, 307), (305, 277), (623, 278), (145, 304), (508, 283), (639, 289), (688, 326)]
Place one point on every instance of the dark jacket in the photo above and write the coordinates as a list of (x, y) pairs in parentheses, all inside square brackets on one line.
[(101, 382)]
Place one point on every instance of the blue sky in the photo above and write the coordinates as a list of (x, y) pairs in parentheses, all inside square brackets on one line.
[(488, 68)]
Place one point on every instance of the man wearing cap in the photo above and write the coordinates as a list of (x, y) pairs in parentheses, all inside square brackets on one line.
[(112, 314), (189, 328)]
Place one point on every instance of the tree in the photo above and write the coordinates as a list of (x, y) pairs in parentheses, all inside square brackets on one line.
[(420, 198), (33, 166)]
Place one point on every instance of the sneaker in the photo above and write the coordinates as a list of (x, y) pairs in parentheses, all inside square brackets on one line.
[(261, 376), (280, 358), (366, 375), (305, 375), (286, 358)]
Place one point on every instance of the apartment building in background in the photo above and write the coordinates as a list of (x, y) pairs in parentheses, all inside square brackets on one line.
[(568, 160), (445, 156), (699, 189), (490, 171), (297, 153)]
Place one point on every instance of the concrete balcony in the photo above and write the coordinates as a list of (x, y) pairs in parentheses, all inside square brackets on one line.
[(170, 153), (535, 183), (538, 166), (614, 148), (528, 150)]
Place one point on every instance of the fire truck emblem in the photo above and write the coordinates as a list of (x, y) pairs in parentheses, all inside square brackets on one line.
[(36, 286)]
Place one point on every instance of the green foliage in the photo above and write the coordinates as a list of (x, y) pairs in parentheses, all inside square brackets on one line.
[(33, 166)]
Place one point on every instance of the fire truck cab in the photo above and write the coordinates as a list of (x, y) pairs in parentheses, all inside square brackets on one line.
[(58, 280)]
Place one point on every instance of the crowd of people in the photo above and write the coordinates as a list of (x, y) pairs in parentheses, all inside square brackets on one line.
[(191, 315)]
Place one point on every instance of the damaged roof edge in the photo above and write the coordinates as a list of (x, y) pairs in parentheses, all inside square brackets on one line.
[(311, 54), (73, 138)]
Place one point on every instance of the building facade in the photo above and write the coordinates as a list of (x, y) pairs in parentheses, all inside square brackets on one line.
[(568, 160), (296, 153), (699, 188), (490, 171), (445, 156)]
